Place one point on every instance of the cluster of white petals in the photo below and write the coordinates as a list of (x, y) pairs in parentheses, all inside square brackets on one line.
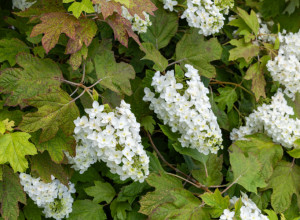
[(54, 197), (138, 24), (273, 119), (248, 211), (22, 4), (207, 15), (285, 68), (169, 4), (112, 137), (264, 33), (189, 114)]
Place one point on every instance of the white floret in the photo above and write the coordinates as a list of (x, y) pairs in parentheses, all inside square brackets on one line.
[(22, 4)]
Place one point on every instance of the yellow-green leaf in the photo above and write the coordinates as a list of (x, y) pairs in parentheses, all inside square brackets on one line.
[(13, 149)]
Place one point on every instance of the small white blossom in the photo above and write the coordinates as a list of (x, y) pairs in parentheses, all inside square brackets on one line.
[(169, 4), (138, 24), (22, 4)]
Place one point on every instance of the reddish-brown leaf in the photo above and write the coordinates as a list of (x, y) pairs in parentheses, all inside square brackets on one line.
[(85, 33), (108, 8), (122, 29), (141, 6), (52, 26)]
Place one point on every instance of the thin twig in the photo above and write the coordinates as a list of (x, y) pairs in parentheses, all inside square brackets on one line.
[(234, 182), (172, 167), (99, 80), (180, 177), (77, 97), (74, 91), (231, 83), (83, 73), (178, 61)]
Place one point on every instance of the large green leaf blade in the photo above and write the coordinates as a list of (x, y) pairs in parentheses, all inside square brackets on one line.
[(9, 48), (193, 49), (101, 192), (284, 182), (164, 27), (246, 170), (11, 192), (36, 77), (115, 76), (55, 110), (87, 210), (13, 149)]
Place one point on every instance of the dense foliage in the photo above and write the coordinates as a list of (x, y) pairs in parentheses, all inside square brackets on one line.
[(150, 109)]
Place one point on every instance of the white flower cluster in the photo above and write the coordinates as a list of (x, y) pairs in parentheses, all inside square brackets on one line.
[(138, 24), (249, 210), (207, 15), (54, 197), (285, 68), (264, 33), (169, 4), (189, 114), (22, 4), (274, 120), (112, 137)]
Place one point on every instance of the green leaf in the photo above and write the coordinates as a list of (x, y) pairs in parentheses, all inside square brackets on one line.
[(87, 210), (164, 27), (78, 7), (11, 192), (271, 214), (246, 170), (148, 123), (292, 6), (209, 173), (131, 192), (56, 146), (115, 76), (243, 50), (101, 192), (52, 26), (267, 152), (193, 49), (217, 202), (160, 63), (227, 98), (9, 48), (40, 51), (194, 153), (163, 181), (258, 80), (284, 182), (13, 149), (31, 211), (44, 167), (167, 131), (55, 110), (2, 127), (41, 74), (251, 20), (118, 209)]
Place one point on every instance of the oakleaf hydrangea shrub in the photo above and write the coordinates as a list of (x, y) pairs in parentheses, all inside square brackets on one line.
[(111, 136), (54, 197), (188, 113), (195, 109)]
